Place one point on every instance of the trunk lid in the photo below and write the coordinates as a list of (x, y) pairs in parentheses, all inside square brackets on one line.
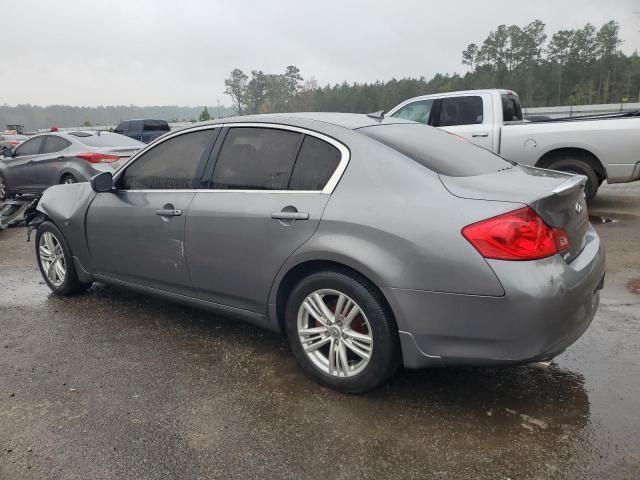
[(557, 197)]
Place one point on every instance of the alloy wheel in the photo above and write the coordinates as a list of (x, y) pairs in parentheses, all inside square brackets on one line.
[(52, 259), (335, 333)]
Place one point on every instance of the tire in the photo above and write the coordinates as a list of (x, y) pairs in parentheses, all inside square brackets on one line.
[(345, 336), (68, 178), (52, 247), (3, 189), (571, 165)]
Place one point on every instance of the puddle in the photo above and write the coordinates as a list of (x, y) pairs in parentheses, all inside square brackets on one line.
[(597, 219)]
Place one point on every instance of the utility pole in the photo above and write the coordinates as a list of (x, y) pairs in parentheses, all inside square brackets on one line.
[(219, 117)]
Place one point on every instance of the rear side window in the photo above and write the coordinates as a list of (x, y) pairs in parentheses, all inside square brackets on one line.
[(439, 151), (419, 111), (255, 158), (460, 111), (316, 162), (176, 163), (156, 125), (55, 144), (511, 110), (30, 147)]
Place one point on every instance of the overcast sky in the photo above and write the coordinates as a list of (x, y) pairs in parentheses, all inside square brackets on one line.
[(178, 52)]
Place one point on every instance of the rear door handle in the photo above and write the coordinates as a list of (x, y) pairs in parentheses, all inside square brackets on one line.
[(167, 212), (481, 134), (290, 216)]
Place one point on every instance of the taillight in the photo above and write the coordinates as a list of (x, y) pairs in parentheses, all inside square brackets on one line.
[(94, 157), (517, 235)]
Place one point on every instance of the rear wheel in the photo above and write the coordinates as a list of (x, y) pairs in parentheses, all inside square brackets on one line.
[(341, 331), (68, 178), (580, 167), (56, 262)]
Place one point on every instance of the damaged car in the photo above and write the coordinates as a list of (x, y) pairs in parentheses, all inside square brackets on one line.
[(369, 242)]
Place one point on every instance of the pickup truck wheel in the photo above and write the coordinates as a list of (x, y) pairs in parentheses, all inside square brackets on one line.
[(571, 165)]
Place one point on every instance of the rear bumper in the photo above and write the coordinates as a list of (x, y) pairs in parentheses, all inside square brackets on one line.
[(547, 306)]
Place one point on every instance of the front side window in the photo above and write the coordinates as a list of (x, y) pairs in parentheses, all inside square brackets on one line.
[(176, 163), (55, 144), (316, 162), (419, 111), (254, 158), (122, 127), (461, 111), (30, 147)]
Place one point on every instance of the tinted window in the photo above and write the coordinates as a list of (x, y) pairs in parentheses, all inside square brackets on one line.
[(30, 147), (256, 159), (156, 125), (55, 144), (173, 164), (416, 111), (315, 164), (437, 150), (135, 125), (122, 127), (110, 140), (511, 110), (460, 111)]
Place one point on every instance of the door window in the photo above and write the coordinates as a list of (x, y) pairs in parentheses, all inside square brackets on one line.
[(316, 162), (175, 164), (255, 158), (122, 127), (30, 147), (55, 144), (419, 111), (461, 111)]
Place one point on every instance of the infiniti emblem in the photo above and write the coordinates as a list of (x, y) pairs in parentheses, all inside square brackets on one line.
[(579, 208)]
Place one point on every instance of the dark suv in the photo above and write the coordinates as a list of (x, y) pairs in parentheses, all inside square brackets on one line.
[(143, 130)]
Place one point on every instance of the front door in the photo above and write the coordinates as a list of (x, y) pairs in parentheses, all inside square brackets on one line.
[(19, 172), (265, 200), (136, 233)]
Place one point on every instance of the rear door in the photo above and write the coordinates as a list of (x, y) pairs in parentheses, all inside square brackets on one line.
[(470, 116), (46, 168), (136, 233), (268, 190), (19, 176)]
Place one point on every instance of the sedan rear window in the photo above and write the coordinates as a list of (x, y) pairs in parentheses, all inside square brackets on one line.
[(440, 151), (110, 140)]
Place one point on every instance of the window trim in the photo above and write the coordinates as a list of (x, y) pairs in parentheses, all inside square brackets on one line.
[(327, 190)]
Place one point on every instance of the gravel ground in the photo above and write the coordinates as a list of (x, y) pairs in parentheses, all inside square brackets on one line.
[(113, 384)]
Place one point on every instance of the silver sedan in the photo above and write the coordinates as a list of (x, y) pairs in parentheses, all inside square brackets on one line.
[(371, 243)]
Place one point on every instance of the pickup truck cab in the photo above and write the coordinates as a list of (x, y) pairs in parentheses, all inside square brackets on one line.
[(143, 130), (598, 147)]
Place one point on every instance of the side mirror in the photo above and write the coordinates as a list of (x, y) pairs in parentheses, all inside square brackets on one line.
[(102, 182)]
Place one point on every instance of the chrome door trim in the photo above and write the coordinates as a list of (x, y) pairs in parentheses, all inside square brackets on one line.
[(330, 186)]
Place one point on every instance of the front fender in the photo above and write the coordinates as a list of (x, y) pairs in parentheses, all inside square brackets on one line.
[(66, 206)]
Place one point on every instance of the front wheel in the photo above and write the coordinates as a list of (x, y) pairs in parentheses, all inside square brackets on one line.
[(56, 262), (341, 331)]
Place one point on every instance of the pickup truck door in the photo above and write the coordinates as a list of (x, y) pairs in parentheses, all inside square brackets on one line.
[(469, 116)]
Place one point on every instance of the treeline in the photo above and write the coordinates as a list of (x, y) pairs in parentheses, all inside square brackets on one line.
[(572, 67), (34, 117)]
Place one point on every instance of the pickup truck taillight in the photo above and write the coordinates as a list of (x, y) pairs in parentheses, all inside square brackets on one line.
[(94, 157), (517, 235)]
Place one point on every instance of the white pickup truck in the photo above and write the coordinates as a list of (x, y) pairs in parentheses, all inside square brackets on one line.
[(599, 147)]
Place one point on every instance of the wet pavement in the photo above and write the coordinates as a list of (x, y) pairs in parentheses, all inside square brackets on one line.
[(113, 384)]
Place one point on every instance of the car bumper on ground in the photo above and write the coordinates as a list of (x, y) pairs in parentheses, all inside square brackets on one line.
[(548, 304)]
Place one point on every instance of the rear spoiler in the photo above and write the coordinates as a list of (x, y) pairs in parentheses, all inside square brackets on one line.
[(570, 184)]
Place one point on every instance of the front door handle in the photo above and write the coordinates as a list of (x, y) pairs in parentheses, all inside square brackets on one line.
[(481, 134), (290, 216), (168, 212)]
